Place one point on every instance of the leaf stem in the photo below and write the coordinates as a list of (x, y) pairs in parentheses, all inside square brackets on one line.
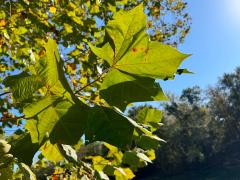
[(89, 84)]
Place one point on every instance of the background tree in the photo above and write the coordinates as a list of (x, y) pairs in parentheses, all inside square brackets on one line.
[(224, 104), (201, 129)]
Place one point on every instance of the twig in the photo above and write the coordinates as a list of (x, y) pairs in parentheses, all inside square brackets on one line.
[(4, 93), (13, 118), (89, 84)]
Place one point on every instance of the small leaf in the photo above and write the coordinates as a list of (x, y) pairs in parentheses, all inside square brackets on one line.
[(53, 9), (51, 152), (100, 175), (2, 23), (183, 71), (150, 117), (4, 147), (149, 142)]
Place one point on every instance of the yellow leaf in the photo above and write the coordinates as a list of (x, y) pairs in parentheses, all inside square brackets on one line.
[(129, 173), (2, 23), (151, 154), (3, 68), (68, 28), (52, 9), (84, 81), (74, 82)]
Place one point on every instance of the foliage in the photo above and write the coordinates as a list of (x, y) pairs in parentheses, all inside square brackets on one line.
[(224, 104), (58, 116), (201, 129)]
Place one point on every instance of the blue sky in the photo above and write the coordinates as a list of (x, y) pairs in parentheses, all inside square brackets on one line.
[(214, 41)]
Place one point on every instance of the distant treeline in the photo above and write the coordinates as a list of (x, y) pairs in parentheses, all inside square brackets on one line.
[(201, 127)]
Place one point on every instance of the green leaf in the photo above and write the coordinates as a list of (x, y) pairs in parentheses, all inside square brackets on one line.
[(57, 118), (23, 85), (149, 142), (119, 89), (122, 29), (184, 71), (23, 148), (105, 124), (150, 117), (51, 152), (151, 59), (144, 157), (69, 153), (52, 60), (123, 174), (4, 147), (50, 69), (99, 163), (134, 159), (100, 175), (105, 52), (134, 53)]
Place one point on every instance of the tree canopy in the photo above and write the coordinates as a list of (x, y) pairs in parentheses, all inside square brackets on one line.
[(69, 69)]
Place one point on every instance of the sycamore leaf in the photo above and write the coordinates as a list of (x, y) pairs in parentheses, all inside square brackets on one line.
[(151, 59), (149, 142), (105, 52), (100, 175), (135, 159), (105, 124), (119, 89), (131, 56), (57, 118), (4, 147), (122, 29), (50, 69), (150, 117), (134, 53), (51, 152), (123, 174), (52, 61), (23, 85), (23, 148), (69, 153)]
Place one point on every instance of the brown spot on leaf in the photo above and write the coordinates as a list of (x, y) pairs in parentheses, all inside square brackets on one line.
[(134, 49)]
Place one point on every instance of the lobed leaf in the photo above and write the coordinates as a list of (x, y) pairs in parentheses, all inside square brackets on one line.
[(151, 117), (23, 85), (119, 89)]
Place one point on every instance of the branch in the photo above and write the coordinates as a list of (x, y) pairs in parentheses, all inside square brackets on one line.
[(89, 84), (4, 93), (12, 119)]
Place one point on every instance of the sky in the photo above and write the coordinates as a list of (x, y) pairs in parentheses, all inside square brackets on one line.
[(214, 42)]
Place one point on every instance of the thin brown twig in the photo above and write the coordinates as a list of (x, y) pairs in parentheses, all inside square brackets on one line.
[(14, 118), (89, 84), (4, 93)]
